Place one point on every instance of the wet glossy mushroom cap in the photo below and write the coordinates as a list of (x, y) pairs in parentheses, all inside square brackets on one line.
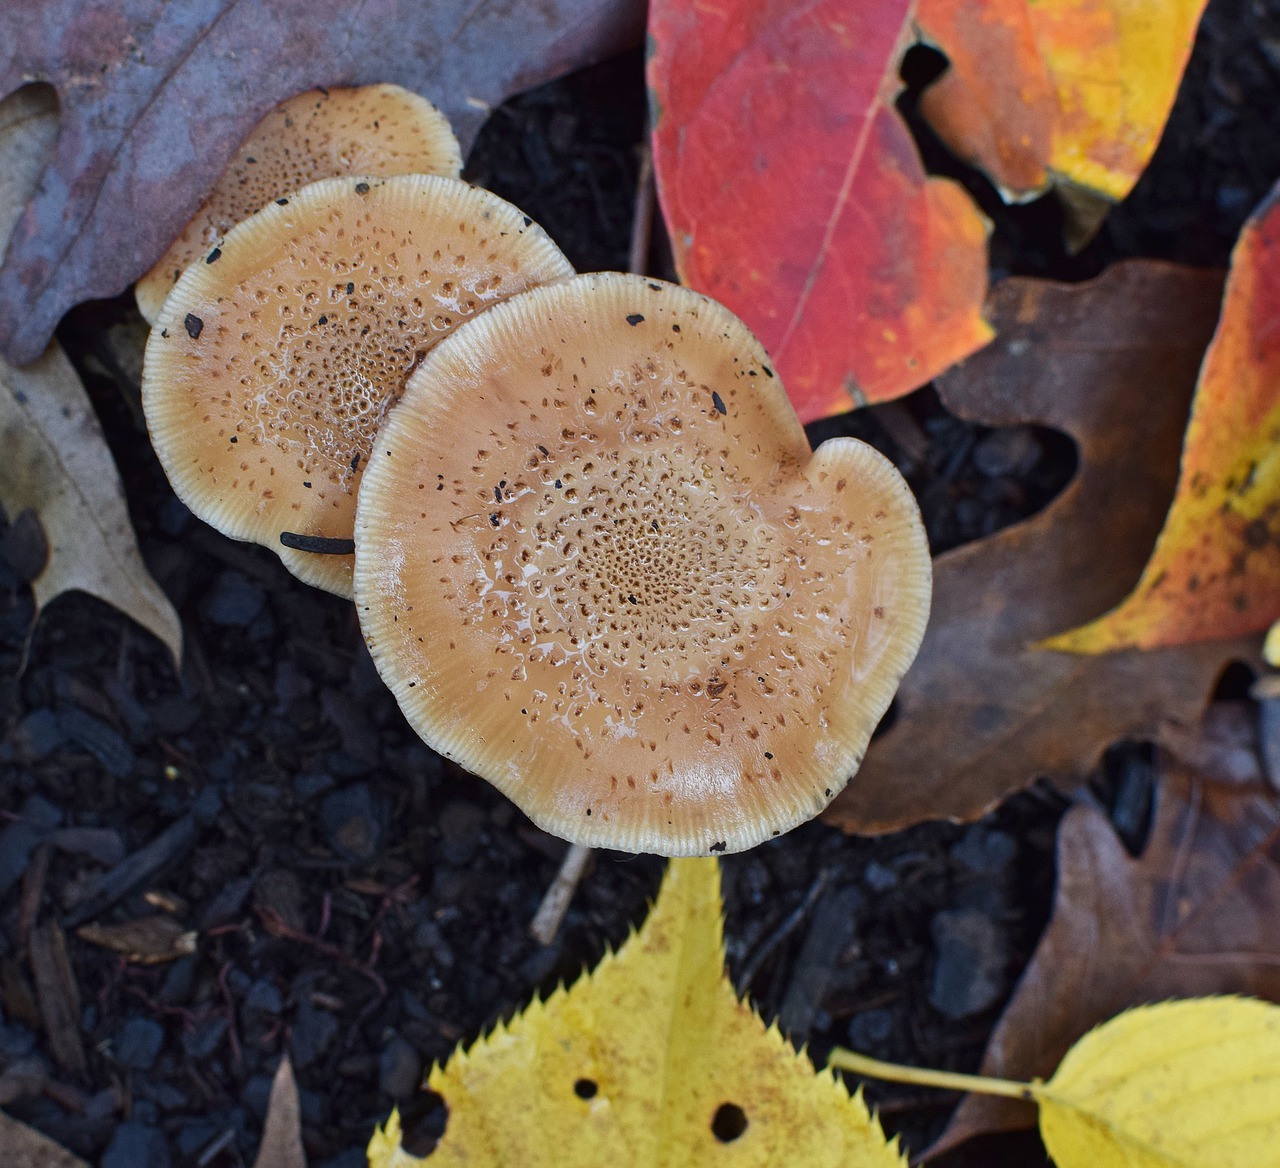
[(274, 360), (375, 129), (599, 566)]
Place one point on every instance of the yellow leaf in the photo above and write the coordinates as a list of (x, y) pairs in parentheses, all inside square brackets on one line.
[(649, 1060), (1215, 570), (1191, 1084), (1069, 92)]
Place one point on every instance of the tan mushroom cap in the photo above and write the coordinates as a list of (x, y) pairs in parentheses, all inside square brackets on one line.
[(599, 566), (274, 360), (375, 129)]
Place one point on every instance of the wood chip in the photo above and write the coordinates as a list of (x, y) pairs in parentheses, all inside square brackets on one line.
[(58, 995), (148, 941)]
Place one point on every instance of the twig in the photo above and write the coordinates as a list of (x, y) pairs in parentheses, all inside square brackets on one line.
[(546, 921), (790, 923), (275, 924), (642, 219), (232, 1038)]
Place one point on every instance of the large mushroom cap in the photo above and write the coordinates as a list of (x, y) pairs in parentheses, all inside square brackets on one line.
[(323, 133), (274, 360), (599, 566)]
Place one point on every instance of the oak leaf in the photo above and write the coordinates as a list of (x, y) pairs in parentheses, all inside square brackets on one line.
[(57, 466), (984, 710), (793, 194), (1072, 93), (1193, 915), (650, 1060), (1215, 570), (155, 99)]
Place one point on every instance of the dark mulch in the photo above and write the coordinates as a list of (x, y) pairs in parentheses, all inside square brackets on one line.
[(363, 904)]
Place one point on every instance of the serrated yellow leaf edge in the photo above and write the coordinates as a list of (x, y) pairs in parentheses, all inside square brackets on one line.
[(659, 1045)]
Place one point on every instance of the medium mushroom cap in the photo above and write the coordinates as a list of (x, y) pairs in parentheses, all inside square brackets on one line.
[(599, 566), (273, 362), (375, 129)]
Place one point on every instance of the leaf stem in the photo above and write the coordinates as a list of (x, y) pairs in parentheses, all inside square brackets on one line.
[(861, 1064)]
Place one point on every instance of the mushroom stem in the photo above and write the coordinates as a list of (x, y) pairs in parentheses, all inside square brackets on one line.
[(546, 921)]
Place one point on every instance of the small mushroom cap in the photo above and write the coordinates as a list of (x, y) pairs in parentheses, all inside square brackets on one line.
[(599, 566), (374, 129), (274, 360)]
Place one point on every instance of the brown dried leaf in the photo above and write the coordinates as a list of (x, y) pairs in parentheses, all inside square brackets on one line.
[(282, 1135), (155, 99), (983, 711), (57, 469), (148, 941), (24, 1147), (1195, 915)]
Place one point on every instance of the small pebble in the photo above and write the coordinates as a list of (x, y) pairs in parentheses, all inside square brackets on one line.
[(969, 974), (135, 1145), (201, 1042), (460, 823), (1010, 452), (869, 1029), (234, 601), (40, 733), (138, 1043), (879, 878), (985, 850), (399, 1069), (313, 1031), (353, 823)]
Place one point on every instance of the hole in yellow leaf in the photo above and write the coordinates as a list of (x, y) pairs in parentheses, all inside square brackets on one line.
[(728, 1123), (585, 1088)]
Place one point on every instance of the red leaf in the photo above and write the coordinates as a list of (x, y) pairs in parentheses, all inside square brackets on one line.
[(155, 97), (794, 195)]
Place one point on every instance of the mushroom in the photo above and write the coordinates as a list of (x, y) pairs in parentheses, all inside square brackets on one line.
[(599, 566), (322, 133), (272, 362)]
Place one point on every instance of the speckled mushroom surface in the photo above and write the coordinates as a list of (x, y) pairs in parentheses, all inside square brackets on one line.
[(374, 129), (599, 566), (275, 359)]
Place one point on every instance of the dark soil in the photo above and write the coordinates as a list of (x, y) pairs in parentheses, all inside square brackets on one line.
[(364, 905)]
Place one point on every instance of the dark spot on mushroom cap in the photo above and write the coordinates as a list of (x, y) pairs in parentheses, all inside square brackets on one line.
[(362, 188), (214, 256), (718, 402), (634, 319), (193, 324), (281, 202), (719, 846)]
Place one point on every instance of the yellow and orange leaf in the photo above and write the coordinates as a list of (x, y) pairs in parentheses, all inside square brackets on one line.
[(1073, 92), (1215, 570), (649, 1060), (794, 195)]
